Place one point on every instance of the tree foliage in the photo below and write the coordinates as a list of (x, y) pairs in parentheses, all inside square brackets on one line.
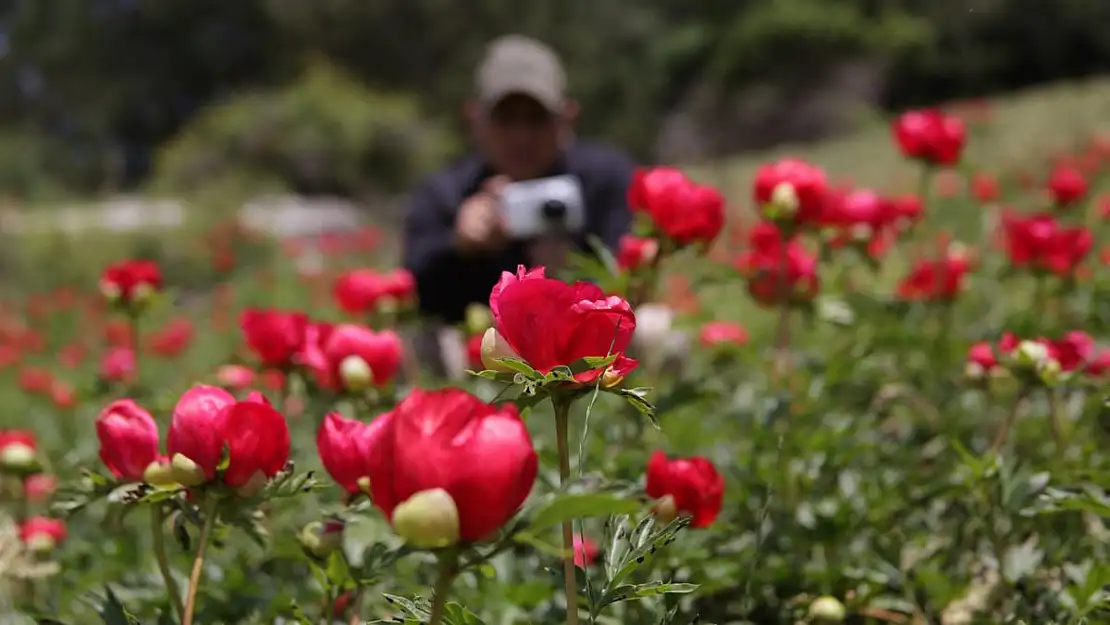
[(112, 80)]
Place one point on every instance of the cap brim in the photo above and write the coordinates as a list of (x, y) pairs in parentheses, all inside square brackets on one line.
[(549, 99)]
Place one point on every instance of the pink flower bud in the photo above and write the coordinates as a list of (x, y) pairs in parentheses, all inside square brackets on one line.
[(128, 439)]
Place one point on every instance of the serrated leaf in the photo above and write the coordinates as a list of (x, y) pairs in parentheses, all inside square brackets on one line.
[(565, 507), (644, 545), (626, 592), (637, 398), (129, 493), (414, 608)]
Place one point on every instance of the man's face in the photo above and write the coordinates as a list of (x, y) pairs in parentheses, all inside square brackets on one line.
[(520, 137)]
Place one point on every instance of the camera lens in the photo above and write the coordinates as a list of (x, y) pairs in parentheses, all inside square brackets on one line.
[(554, 210)]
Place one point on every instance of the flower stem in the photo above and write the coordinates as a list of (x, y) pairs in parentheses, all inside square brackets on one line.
[(22, 513), (356, 606), (156, 519), (210, 513), (1008, 424), (448, 569), (136, 348), (782, 326), (1056, 414), (570, 584)]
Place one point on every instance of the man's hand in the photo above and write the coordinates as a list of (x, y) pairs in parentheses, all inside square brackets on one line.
[(479, 225)]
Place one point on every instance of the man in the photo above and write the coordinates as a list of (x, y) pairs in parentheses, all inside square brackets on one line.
[(455, 243)]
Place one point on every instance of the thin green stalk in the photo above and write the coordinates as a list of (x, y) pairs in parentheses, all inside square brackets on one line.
[(448, 569), (570, 585), (157, 518), (210, 513), (22, 513), (1008, 424), (136, 347)]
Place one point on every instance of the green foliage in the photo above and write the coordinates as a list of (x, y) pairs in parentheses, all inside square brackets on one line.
[(324, 133), (150, 74)]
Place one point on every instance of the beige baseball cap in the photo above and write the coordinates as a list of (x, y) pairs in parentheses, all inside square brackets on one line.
[(518, 64)]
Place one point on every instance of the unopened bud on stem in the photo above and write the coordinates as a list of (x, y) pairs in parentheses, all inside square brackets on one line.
[(827, 610), (355, 374), (186, 472), (495, 346), (665, 509), (19, 458), (428, 520), (322, 539)]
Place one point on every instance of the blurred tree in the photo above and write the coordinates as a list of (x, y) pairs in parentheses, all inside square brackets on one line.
[(113, 79)]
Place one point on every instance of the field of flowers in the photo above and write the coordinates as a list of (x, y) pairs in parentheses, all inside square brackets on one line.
[(874, 420)]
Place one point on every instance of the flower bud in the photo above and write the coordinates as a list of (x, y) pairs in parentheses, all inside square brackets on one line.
[(159, 473), (186, 472), (861, 233), (827, 610), (355, 374), (610, 378), (364, 485), (322, 539), (388, 305), (19, 458), (142, 294), (1049, 371), (495, 346), (974, 371), (41, 543), (665, 509), (784, 202), (478, 318), (427, 520), (110, 291), (1028, 354)]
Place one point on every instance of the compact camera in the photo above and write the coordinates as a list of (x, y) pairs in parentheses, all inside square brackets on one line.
[(548, 206)]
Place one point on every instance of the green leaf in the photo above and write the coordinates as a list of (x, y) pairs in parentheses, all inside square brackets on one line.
[(290, 484), (637, 398), (113, 612), (603, 254), (456, 614), (626, 592), (642, 544), (416, 609), (181, 532), (591, 363), (561, 373), (298, 614), (576, 506), (129, 493), (489, 374), (519, 366), (1055, 500)]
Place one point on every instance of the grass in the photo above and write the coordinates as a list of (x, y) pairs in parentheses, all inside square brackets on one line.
[(1026, 126)]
